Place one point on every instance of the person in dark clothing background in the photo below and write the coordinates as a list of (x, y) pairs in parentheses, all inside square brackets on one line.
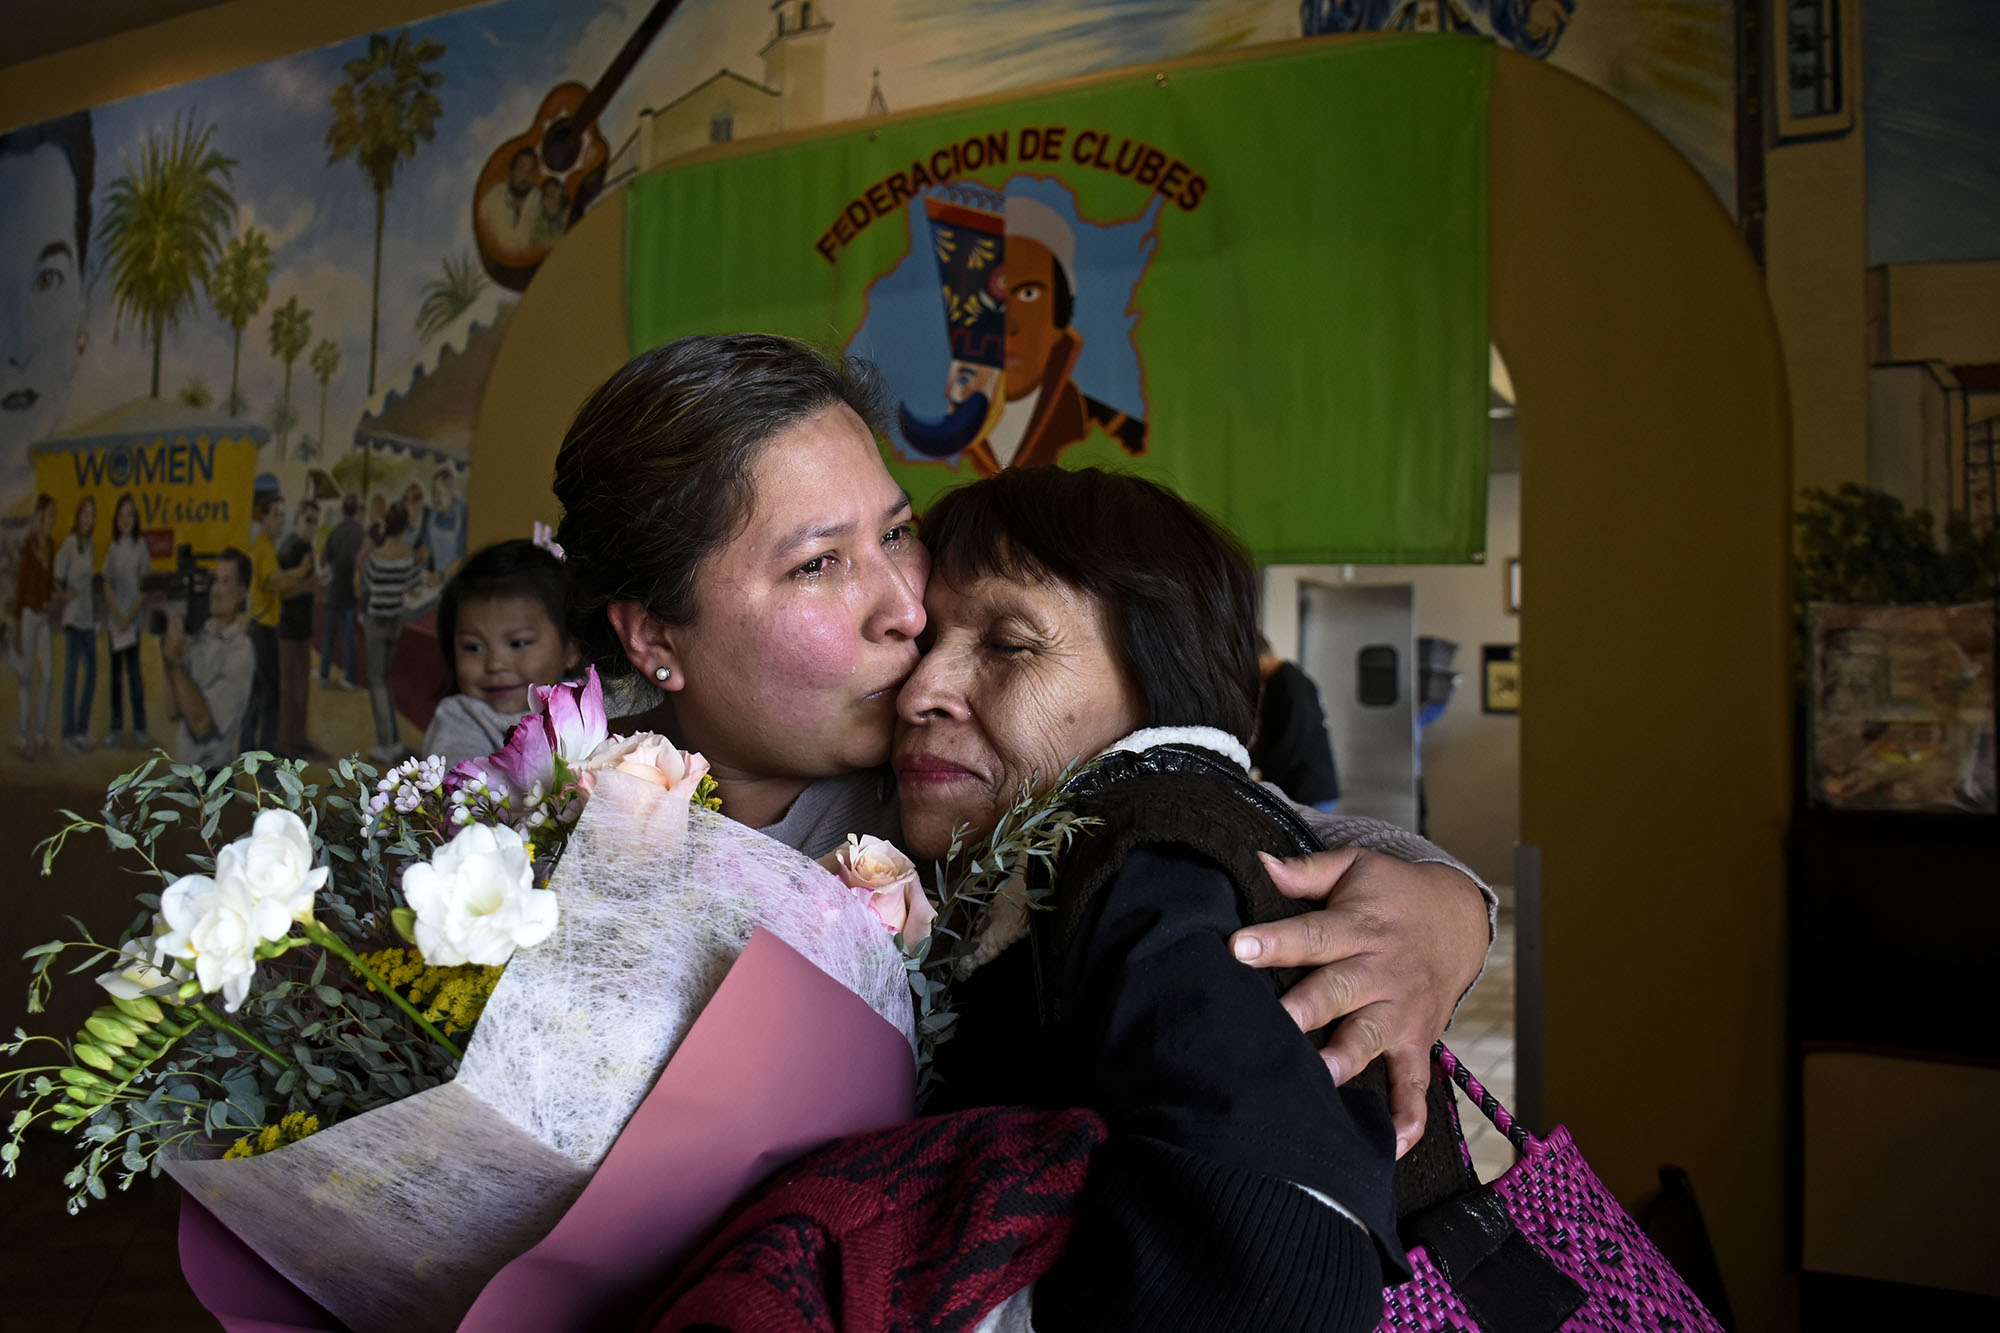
[(337, 559), (1291, 749)]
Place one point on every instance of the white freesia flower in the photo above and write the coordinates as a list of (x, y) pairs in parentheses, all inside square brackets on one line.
[(476, 900), (274, 864), (210, 925), (137, 975)]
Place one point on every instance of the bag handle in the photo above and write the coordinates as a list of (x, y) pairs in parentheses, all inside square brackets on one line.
[(1489, 1105)]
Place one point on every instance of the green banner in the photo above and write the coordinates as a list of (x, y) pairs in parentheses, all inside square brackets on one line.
[(1262, 281)]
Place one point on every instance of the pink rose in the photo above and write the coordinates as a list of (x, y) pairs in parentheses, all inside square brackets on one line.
[(650, 758), (877, 870)]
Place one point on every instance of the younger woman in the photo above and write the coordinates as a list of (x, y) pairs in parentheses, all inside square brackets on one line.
[(125, 564), (500, 626)]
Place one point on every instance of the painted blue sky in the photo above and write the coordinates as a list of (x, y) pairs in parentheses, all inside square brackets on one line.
[(1933, 130)]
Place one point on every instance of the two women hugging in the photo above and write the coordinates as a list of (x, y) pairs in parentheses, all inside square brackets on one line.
[(1191, 1145)]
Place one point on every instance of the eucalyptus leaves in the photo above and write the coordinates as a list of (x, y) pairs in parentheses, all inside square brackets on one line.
[(982, 898), (242, 993)]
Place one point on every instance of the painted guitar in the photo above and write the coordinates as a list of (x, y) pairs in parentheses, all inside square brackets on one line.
[(540, 182)]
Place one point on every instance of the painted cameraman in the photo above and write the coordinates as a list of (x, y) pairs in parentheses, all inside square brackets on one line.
[(211, 672)]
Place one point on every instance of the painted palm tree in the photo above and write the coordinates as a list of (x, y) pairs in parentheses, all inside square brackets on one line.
[(291, 331), (448, 297), (237, 289), (387, 106), (163, 227), (325, 363)]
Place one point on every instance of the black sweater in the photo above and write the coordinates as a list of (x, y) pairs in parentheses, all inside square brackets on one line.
[(1219, 1111)]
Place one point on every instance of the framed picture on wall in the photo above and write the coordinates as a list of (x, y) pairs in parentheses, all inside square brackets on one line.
[(1513, 585), (1500, 678), (1902, 707)]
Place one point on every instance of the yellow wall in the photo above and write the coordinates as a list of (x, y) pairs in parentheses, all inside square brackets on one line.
[(1655, 756)]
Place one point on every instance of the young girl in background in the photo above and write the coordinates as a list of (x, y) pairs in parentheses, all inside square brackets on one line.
[(500, 625)]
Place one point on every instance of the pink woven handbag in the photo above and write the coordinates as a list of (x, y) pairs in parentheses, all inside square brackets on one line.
[(1543, 1249)]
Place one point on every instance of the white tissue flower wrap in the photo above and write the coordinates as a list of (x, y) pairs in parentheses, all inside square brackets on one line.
[(395, 1220)]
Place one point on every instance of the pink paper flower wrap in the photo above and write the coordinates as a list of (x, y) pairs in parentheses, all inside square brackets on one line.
[(554, 1183)]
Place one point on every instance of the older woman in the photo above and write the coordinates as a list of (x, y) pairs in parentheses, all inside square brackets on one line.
[(735, 542), (1080, 614)]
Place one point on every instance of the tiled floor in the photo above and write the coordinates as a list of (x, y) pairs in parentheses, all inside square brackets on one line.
[(1483, 1040)]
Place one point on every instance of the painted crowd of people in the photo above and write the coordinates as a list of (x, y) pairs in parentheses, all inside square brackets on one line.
[(235, 644)]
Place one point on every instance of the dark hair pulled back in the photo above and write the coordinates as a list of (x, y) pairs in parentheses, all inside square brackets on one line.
[(1178, 591), (654, 474), (516, 568)]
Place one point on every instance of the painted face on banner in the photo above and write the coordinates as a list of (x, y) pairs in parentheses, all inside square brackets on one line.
[(41, 302), (1031, 314)]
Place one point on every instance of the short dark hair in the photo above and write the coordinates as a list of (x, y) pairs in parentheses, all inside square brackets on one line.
[(1178, 591), (514, 568), (396, 521), (71, 136), (350, 505), (238, 559), (654, 474)]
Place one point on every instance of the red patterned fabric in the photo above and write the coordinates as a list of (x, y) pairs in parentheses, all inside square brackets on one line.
[(926, 1226)]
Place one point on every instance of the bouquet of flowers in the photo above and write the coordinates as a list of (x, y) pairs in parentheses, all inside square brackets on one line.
[(467, 1049)]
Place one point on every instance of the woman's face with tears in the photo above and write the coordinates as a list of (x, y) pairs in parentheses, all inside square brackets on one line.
[(1017, 681), (808, 618)]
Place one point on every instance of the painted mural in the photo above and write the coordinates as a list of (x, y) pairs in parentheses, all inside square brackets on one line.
[(248, 320)]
